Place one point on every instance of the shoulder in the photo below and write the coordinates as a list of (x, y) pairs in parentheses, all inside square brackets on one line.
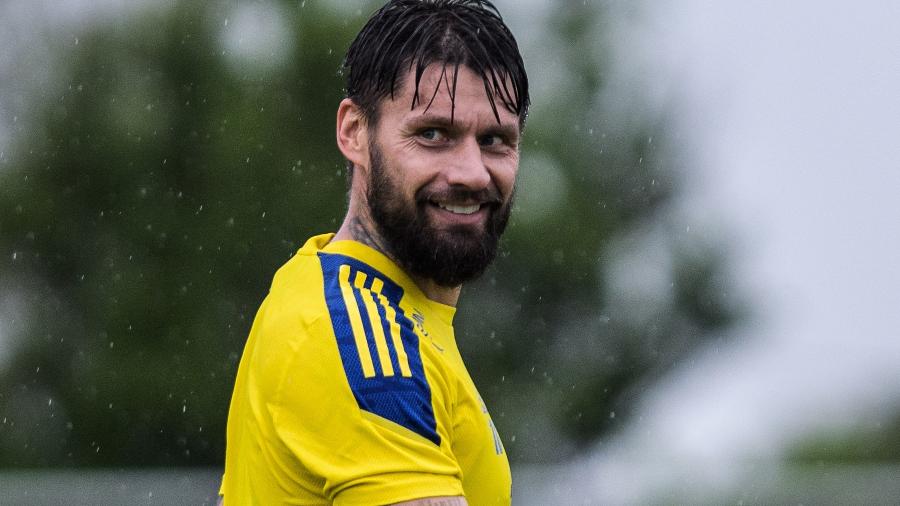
[(337, 325), (291, 325), (355, 404), (378, 345)]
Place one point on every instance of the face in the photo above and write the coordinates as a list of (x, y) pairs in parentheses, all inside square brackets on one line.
[(440, 186)]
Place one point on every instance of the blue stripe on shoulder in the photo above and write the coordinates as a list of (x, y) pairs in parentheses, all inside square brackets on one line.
[(403, 400)]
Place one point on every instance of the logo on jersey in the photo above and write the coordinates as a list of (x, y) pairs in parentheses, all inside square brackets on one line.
[(498, 445), (419, 319)]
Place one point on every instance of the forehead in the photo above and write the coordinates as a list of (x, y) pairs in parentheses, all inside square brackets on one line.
[(447, 92)]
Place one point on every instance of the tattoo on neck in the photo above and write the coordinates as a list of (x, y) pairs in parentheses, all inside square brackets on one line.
[(360, 233)]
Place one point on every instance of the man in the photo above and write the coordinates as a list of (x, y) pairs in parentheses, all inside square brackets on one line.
[(351, 389)]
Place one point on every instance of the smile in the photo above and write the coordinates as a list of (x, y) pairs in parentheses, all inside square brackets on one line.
[(460, 209)]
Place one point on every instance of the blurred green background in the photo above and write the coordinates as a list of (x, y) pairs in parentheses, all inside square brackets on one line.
[(171, 166), (167, 174)]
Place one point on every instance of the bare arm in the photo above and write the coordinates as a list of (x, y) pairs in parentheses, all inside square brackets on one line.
[(436, 501)]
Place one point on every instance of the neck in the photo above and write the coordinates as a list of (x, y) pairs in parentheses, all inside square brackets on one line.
[(362, 230)]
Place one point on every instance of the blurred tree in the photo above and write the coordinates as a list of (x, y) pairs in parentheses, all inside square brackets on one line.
[(162, 185)]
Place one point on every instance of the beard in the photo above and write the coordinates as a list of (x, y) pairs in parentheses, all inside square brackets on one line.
[(449, 256)]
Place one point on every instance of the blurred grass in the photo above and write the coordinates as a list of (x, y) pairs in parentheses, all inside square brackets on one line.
[(761, 483)]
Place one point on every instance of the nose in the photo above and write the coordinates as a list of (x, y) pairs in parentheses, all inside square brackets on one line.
[(467, 167)]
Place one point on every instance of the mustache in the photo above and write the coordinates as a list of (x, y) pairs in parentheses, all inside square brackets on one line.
[(490, 196)]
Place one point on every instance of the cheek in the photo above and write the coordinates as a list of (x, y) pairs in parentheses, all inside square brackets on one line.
[(408, 181), (419, 171), (505, 178)]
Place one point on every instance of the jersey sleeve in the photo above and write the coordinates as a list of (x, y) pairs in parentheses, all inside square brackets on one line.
[(359, 408)]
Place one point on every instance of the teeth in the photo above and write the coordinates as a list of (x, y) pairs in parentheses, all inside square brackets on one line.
[(453, 208)]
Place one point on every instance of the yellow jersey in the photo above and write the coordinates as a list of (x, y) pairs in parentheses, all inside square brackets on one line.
[(351, 391)]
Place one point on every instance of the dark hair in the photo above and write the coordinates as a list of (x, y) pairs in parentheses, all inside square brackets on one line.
[(406, 34)]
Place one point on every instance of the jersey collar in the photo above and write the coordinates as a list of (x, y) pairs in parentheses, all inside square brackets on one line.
[(378, 261)]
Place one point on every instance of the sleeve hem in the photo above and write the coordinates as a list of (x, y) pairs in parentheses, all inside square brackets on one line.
[(394, 488)]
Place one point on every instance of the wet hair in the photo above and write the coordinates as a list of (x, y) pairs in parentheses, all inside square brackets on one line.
[(413, 34)]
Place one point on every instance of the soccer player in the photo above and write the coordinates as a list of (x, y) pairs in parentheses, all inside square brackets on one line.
[(351, 389)]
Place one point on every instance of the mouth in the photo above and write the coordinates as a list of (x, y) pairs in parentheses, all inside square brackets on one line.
[(459, 213), (464, 209)]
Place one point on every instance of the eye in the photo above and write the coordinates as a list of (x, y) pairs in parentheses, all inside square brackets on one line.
[(489, 141), (433, 135)]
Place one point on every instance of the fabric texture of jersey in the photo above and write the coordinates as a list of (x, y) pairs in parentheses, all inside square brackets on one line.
[(351, 391)]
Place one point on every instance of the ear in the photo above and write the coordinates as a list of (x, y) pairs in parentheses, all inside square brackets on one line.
[(353, 134)]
